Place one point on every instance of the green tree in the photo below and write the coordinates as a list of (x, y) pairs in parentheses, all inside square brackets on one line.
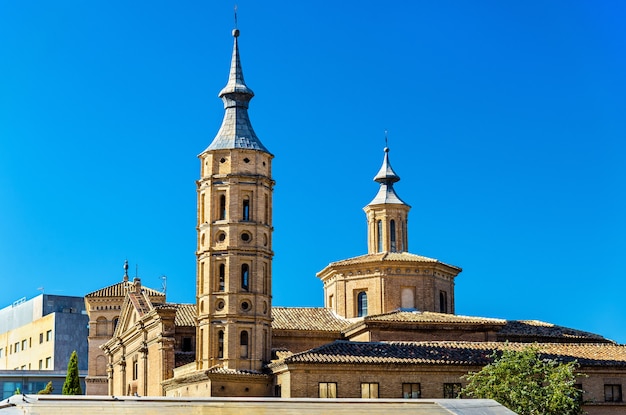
[(528, 384), (72, 380), (47, 390)]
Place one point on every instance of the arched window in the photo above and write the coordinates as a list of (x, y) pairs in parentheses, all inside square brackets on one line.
[(404, 247), (222, 277), (222, 207), (443, 302), (379, 236), (101, 326), (245, 277), (220, 344), (243, 344), (246, 209), (408, 298), (392, 234), (362, 304), (101, 366)]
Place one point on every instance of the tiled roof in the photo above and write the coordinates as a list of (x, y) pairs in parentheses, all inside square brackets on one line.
[(389, 257), (534, 328), (140, 301), (459, 353), (119, 290), (431, 317), (307, 318), (184, 358), (226, 371), (185, 313)]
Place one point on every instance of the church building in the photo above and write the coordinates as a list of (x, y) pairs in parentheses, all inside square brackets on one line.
[(388, 328)]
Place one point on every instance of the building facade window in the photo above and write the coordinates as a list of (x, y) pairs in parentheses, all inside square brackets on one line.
[(24, 344), (369, 390), (222, 277), (222, 211), (379, 235), (48, 362), (246, 209), (49, 335), (243, 344), (186, 344), (245, 277), (328, 389), (135, 369), (451, 390), (40, 338), (612, 393), (220, 344), (443, 302), (101, 326), (361, 304), (411, 390), (392, 235)]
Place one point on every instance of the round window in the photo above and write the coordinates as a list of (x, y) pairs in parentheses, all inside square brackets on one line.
[(221, 237), (246, 237), (245, 306), (220, 305)]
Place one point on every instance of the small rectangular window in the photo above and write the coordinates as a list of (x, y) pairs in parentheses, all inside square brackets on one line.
[(451, 390), (612, 393), (443, 302), (1, 351), (135, 370), (16, 347), (48, 362), (186, 346), (328, 389), (49, 335), (411, 390), (369, 390), (40, 338), (40, 364), (24, 344)]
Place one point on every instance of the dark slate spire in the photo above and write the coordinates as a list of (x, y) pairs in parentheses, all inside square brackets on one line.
[(386, 177), (236, 130)]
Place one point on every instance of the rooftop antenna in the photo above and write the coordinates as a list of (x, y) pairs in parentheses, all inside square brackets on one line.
[(163, 283)]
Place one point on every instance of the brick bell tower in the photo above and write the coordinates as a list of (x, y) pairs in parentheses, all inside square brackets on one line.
[(234, 247)]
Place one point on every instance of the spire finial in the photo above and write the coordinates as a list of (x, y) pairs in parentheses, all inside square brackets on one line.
[(386, 140), (235, 30), (125, 270)]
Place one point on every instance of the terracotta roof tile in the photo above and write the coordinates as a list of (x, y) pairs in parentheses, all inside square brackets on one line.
[(465, 353), (226, 371), (184, 358), (431, 317), (119, 290), (389, 257), (185, 313), (539, 329), (307, 318)]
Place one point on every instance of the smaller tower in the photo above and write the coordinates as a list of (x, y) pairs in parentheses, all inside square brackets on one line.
[(388, 277), (387, 214)]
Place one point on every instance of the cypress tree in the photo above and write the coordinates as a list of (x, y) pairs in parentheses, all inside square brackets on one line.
[(72, 380)]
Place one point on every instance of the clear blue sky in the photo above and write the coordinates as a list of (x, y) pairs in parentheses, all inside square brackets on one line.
[(506, 120)]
